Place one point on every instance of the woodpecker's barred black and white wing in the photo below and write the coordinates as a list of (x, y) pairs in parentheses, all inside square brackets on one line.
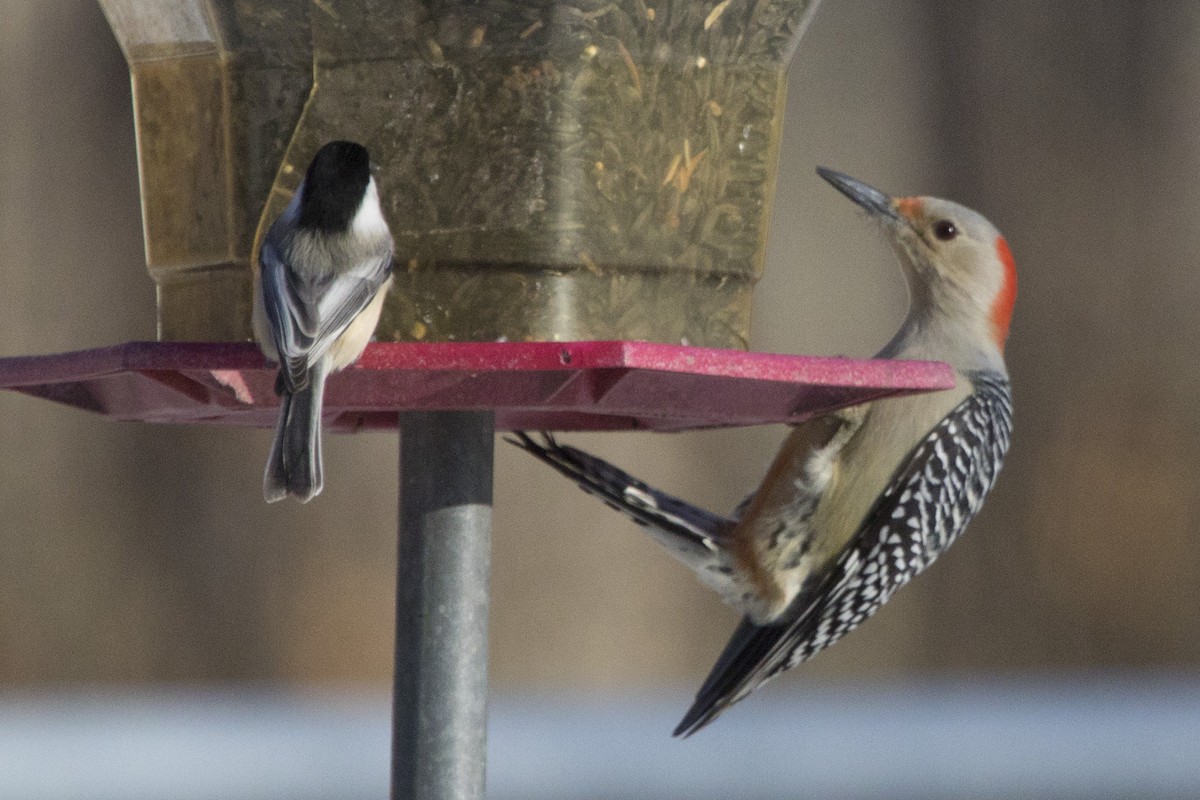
[(933, 496), (687, 529)]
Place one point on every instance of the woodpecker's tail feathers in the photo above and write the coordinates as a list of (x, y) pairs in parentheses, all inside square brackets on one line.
[(728, 681), (755, 654), (693, 535), (295, 465)]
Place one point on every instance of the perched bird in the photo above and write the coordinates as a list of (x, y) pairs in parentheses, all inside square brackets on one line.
[(859, 501), (324, 269)]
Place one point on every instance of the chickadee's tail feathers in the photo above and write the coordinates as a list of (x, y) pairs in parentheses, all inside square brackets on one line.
[(275, 478), (295, 465)]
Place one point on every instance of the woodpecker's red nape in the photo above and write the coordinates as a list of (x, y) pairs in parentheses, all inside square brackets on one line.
[(1002, 306)]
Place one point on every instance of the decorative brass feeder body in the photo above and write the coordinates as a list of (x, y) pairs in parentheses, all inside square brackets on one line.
[(550, 170)]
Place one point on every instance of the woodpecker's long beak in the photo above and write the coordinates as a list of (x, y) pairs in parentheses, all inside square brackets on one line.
[(874, 201)]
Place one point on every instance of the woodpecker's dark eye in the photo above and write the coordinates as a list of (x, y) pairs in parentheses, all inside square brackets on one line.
[(945, 230)]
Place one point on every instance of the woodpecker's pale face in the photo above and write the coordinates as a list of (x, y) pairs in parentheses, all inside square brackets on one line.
[(960, 254), (953, 257)]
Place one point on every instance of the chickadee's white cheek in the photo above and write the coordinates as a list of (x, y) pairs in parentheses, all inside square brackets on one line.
[(369, 220)]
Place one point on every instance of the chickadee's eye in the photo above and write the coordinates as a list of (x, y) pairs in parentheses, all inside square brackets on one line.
[(945, 230)]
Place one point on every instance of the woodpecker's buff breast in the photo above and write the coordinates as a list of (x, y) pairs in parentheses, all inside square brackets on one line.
[(857, 502)]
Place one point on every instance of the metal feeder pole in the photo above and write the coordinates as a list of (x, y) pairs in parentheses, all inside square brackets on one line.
[(439, 716)]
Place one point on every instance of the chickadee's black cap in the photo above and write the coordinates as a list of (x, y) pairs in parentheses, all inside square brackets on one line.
[(334, 186)]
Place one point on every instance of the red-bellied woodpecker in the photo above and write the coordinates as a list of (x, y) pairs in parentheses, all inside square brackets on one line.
[(857, 502)]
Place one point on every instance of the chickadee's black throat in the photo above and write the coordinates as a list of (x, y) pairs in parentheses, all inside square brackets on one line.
[(334, 187)]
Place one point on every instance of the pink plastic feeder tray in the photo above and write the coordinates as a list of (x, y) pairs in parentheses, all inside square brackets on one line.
[(569, 386)]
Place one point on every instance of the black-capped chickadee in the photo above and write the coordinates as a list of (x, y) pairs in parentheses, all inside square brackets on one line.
[(324, 269)]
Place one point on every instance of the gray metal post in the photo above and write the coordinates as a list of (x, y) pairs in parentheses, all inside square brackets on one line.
[(439, 716)]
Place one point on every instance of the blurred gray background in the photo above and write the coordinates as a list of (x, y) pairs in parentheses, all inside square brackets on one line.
[(137, 554)]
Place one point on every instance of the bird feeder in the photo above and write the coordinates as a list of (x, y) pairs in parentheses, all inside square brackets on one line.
[(551, 170), (555, 174)]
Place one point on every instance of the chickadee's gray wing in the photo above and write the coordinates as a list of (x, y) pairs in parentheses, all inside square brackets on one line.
[(291, 326), (307, 314)]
